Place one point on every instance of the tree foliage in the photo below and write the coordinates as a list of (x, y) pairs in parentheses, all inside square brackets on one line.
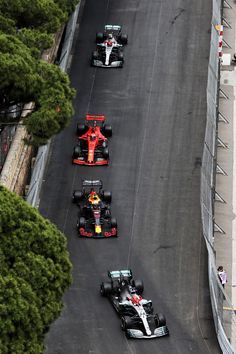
[(25, 31), (35, 271), (35, 40), (46, 15), (54, 104), (17, 70)]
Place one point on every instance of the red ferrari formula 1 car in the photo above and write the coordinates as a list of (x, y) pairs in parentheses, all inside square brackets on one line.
[(92, 148)]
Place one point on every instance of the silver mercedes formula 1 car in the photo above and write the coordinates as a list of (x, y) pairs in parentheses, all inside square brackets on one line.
[(136, 313), (110, 42)]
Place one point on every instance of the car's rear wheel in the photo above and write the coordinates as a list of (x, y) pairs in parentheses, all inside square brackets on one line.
[(124, 38), (107, 196), (77, 196), (80, 129), (107, 130), (139, 286), (99, 37), (106, 153), (77, 152), (160, 320), (106, 288)]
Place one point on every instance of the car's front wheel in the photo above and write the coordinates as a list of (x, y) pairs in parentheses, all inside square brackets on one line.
[(106, 153), (126, 323), (95, 55), (160, 320), (113, 222), (77, 152)]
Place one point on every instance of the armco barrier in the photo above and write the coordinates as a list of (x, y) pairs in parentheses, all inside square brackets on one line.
[(223, 312), (41, 158)]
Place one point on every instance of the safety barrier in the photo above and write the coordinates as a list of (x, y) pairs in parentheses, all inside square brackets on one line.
[(41, 158), (223, 311)]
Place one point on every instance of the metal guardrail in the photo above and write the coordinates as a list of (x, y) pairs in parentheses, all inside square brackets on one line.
[(223, 311), (41, 158)]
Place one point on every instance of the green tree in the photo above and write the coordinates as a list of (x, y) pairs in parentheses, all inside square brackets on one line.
[(35, 272), (53, 104), (24, 79), (35, 40), (67, 6), (43, 14), (19, 78), (7, 25)]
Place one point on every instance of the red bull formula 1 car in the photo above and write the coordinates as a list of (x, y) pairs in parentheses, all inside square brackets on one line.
[(92, 147), (136, 313), (95, 219), (109, 53)]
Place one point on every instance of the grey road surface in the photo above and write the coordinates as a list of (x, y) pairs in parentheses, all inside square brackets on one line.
[(157, 107)]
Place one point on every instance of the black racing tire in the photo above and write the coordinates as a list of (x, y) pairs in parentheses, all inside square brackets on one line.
[(121, 56), (107, 196), (105, 288), (81, 222), (104, 144), (107, 130), (76, 152), (160, 320), (126, 323), (81, 129), (77, 196), (99, 37), (113, 222), (95, 55), (139, 286), (105, 153), (124, 39)]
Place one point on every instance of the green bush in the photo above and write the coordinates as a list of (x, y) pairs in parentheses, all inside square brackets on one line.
[(35, 272)]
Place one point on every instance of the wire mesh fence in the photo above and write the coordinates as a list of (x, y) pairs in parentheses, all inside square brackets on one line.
[(222, 308)]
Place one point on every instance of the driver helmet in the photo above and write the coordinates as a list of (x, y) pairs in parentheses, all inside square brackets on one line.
[(136, 299), (110, 36), (93, 137), (94, 199)]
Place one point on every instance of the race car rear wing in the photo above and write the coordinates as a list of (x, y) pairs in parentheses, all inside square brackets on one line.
[(95, 120), (114, 274), (112, 28), (92, 183)]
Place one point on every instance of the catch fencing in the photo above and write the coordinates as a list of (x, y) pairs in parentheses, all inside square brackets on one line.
[(223, 314)]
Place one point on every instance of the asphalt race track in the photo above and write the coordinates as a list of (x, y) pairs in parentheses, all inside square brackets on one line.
[(157, 107)]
